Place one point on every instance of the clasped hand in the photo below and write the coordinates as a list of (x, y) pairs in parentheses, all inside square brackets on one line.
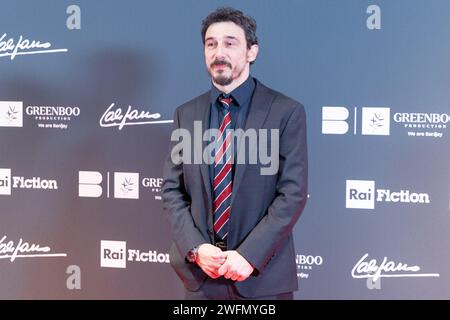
[(216, 263)]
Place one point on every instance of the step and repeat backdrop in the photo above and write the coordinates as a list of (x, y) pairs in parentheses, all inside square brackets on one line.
[(87, 94)]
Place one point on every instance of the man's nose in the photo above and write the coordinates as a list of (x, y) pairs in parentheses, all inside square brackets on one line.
[(220, 51)]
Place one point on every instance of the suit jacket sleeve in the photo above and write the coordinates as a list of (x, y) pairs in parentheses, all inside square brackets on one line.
[(177, 202), (262, 242)]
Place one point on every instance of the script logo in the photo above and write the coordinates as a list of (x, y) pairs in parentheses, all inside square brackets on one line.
[(8, 47), (8, 250), (371, 269), (132, 117)]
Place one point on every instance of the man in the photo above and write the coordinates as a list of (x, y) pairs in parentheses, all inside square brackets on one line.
[(232, 222)]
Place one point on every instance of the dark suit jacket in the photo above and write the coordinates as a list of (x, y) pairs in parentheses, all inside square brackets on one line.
[(264, 208)]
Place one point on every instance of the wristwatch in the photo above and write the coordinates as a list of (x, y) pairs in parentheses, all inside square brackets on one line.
[(192, 254)]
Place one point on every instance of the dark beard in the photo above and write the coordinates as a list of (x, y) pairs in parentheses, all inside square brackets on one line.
[(222, 80)]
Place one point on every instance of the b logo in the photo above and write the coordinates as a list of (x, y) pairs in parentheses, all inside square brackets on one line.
[(333, 120), (89, 184)]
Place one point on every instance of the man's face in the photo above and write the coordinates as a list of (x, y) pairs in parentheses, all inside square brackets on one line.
[(226, 55)]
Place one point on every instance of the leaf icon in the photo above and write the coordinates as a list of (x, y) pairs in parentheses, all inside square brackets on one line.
[(127, 185), (377, 120), (11, 114)]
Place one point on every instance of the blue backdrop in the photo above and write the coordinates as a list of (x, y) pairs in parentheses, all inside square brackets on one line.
[(81, 169)]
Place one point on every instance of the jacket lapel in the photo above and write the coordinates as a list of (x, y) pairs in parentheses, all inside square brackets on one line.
[(203, 114), (259, 108)]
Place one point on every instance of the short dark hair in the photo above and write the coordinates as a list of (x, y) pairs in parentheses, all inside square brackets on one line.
[(228, 14)]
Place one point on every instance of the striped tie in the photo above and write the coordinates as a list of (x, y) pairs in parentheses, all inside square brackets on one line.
[(222, 173)]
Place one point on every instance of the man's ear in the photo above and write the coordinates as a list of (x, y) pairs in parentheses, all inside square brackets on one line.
[(252, 53)]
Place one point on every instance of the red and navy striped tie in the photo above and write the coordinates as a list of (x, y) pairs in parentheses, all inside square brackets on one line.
[(223, 183)]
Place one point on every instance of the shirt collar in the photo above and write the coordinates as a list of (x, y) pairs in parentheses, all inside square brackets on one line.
[(240, 95)]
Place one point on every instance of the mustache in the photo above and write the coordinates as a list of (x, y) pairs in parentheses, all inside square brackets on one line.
[(216, 62)]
